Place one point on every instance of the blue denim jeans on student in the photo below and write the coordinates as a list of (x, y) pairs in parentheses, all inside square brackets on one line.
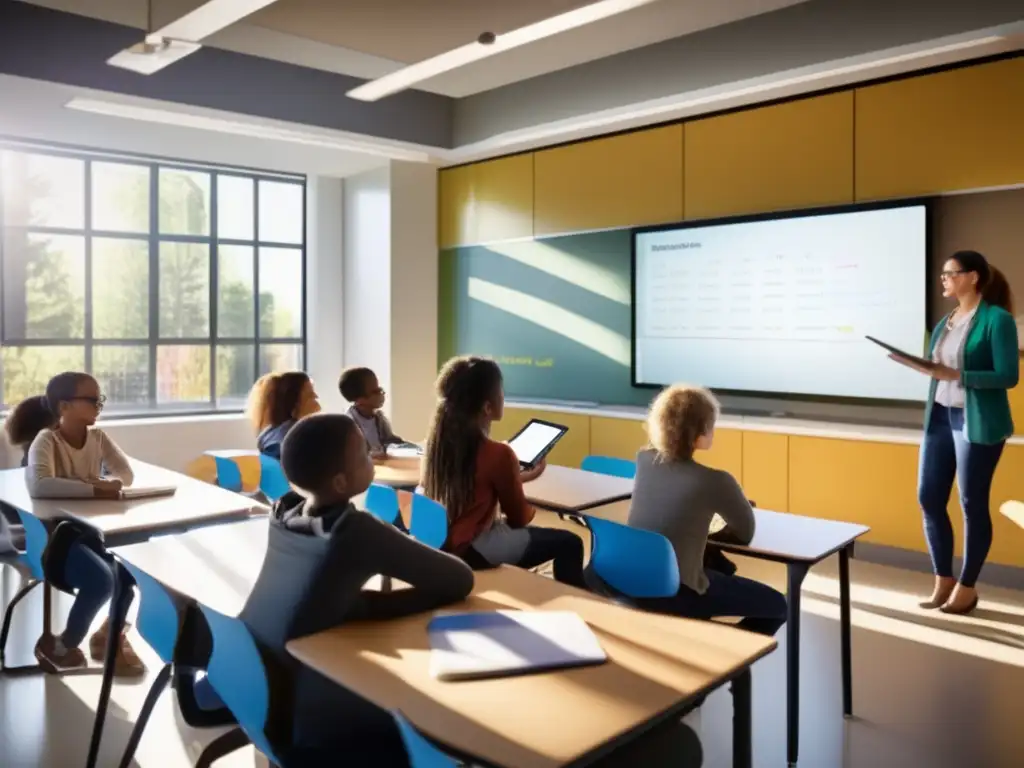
[(763, 609), (93, 578), (945, 455)]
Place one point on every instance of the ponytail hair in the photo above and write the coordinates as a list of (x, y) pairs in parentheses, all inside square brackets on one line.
[(28, 418), (34, 414), (997, 291), (992, 283), (464, 386)]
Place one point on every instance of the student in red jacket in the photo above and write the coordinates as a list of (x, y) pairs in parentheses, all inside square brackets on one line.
[(480, 482)]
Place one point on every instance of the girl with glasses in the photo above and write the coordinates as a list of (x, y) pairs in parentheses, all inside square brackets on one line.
[(67, 457)]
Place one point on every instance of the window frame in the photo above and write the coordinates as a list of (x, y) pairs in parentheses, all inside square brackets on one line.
[(153, 238)]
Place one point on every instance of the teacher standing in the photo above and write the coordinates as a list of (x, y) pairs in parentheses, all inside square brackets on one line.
[(967, 420)]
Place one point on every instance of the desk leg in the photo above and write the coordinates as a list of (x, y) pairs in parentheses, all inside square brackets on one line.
[(742, 737), (796, 573), (119, 603), (844, 629)]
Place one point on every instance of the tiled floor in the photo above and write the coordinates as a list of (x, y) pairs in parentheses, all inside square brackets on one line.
[(929, 690)]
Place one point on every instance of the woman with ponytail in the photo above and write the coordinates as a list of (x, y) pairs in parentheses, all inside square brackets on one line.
[(974, 350), (480, 482)]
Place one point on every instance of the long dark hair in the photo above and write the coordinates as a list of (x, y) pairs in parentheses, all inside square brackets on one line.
[(464, 386), (992, 283), (34, 414), (275, 397)]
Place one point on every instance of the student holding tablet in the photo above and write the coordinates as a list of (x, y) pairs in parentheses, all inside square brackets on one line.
[(480, 481)]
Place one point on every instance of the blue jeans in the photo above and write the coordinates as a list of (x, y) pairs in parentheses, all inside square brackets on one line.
[(945, 455), (93, 579), (763, 609)]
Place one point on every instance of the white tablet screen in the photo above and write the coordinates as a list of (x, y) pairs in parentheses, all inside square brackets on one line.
[(531, 442)]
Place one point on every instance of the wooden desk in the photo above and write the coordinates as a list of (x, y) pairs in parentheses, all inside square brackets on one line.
[(570, 490), (799, 542), (217, 565), (193, 503), (398, 473), (658, 665)]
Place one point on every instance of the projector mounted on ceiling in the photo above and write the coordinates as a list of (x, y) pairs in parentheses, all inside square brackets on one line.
[(178, 39)]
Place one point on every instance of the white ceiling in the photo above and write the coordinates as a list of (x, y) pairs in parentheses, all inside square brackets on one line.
[(370, 38)]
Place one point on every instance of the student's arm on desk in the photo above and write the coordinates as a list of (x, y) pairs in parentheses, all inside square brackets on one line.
[(732, 504), (435, 578), (114, 459)]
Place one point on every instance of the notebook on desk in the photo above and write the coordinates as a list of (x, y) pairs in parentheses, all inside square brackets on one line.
[(147, 491), (466, 646)]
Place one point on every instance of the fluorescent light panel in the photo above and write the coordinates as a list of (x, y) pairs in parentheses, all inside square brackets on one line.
[(211, 17), (238, 128), (475, 51), (148, 63)]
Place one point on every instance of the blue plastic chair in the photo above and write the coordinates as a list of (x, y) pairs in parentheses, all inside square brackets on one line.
[(30, 562), (607, 465), (422, 754), (429, 522), (237, 674), (229, 476), (633, 562), (159, 624), (382, 502), (273, 483)]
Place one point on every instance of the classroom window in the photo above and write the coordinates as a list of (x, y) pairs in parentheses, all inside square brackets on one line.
[(175, 285)]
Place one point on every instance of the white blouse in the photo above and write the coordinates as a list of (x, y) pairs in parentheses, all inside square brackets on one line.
[(949, 352)]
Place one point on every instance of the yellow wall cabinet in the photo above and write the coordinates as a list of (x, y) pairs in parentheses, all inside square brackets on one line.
[(486, 202), (619, 181), (793, 155), (944, 132), (766, 469)]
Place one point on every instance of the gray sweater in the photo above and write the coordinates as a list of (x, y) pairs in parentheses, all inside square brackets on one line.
[(678, 500)]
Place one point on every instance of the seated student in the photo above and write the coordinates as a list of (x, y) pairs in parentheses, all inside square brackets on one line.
[(675, 496), (68, 458), (360, 387), (480, 482), (320, 553), (276, 402)]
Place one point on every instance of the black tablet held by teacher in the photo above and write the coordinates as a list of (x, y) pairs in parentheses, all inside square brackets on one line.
[(534, 441), (924, 362)]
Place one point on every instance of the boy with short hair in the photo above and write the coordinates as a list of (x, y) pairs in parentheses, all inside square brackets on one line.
[(321, 550), (359, 386)]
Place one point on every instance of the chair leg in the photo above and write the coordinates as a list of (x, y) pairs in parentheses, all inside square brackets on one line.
[(9, 616), (223, 745), (147, 709)]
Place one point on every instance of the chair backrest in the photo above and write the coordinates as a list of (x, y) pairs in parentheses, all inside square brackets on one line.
[(429, 522), (237, 674), (229, 476), (35, 542), (273, 483), (158, 621), (632, 561), (421, 753), (382, 502), (607, 465)]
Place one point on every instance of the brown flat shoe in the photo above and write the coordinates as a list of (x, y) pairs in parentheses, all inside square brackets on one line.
[(127, 663), (53, 662)]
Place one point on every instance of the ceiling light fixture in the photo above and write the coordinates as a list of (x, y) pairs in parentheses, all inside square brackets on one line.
[(489, 45), (180, 38), (239, 128)]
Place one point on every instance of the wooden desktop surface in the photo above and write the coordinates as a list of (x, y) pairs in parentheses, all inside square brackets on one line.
[(400, 473), (217, 565), (193, 502), (549, 719)]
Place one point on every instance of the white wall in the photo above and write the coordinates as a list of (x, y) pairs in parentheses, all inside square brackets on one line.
[(324, 288), (414, 285), (390, 282)]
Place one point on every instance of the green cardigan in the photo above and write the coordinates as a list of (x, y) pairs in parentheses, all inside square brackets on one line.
[(988, 368)]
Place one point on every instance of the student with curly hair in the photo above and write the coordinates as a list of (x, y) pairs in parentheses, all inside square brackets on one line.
[(276, 402), (677, 497)]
